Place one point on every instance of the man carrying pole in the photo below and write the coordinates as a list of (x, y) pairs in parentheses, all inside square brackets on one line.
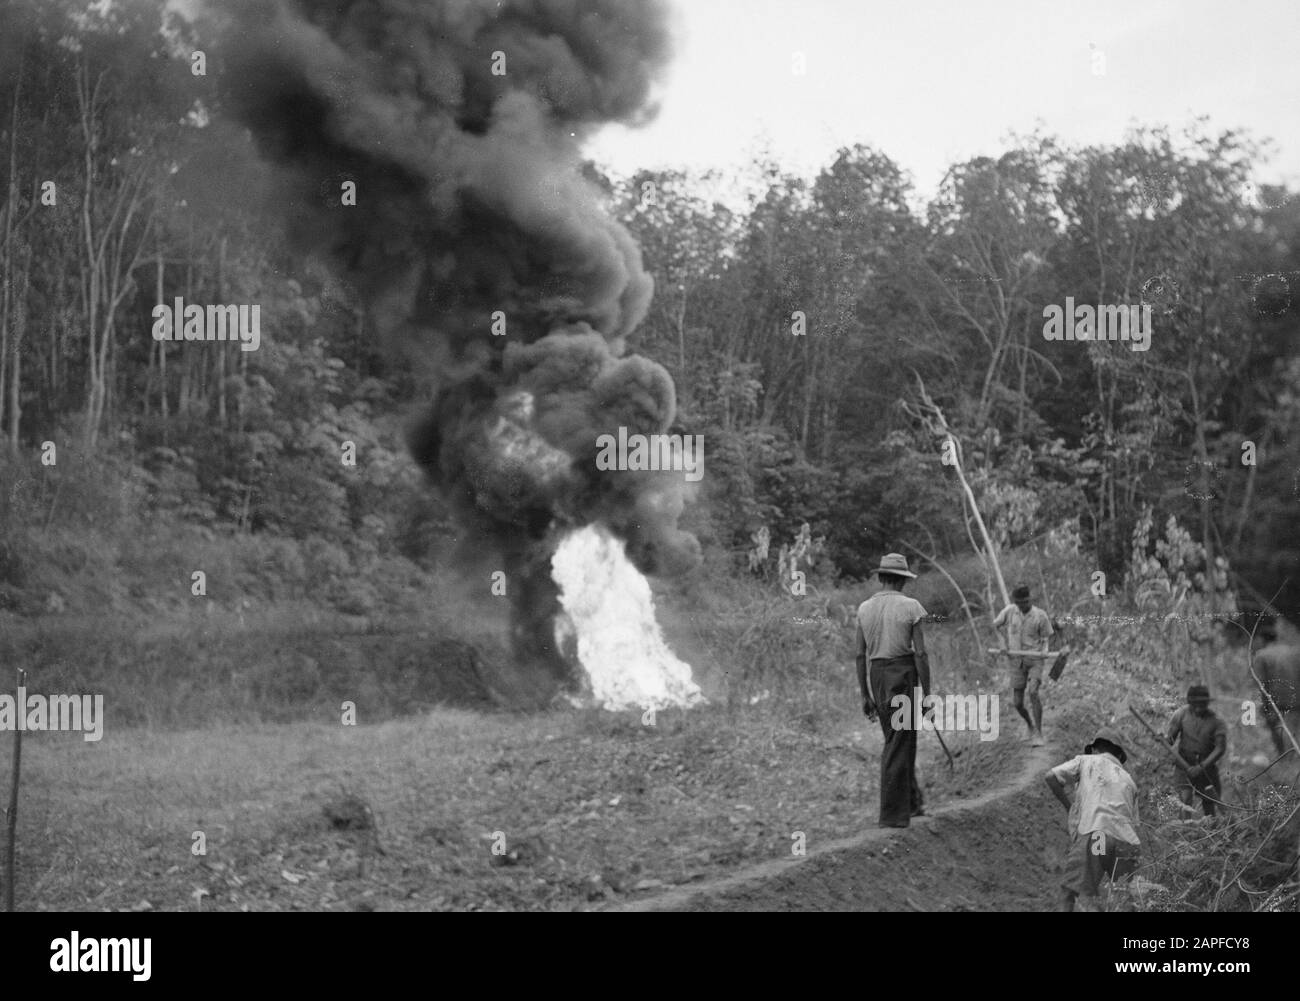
[(1028, 630), (891, 661)]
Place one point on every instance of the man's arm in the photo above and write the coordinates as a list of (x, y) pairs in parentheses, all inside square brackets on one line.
[(868, 706), (1175, 725), (1044, 631), (1056, 777), (1058, 789), (1001, 617), (922, 658)]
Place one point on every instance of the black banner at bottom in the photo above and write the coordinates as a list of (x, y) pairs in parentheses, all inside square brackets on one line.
[(486, 951)]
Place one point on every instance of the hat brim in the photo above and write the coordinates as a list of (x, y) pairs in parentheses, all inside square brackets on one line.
[(1123, 754), (896, 573)]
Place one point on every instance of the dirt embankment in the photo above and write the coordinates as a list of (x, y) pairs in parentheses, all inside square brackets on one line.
[(1004, 851), (1000, 852)]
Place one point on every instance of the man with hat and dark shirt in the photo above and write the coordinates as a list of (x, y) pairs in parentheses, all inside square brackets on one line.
[(891, 661), (1028, 628), (1202, 739), (1103, 819)]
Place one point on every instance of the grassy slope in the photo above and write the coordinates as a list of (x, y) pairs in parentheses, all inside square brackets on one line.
[(591, 803)]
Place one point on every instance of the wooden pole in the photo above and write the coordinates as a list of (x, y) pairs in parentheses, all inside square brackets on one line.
[(979, 521), (965, 605), (1173, 753), (970, 494), (11, 816)]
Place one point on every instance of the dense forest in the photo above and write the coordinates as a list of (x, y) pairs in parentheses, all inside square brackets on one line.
[(826, 338)]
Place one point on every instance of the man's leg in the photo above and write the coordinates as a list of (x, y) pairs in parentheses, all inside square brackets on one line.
[(1119, 861), (888, 679), (1124, 860), (1032, 685), (1191, 792), (1072, 880), (909, 746), (1019, 677), (1210, 790), (1094, 856), (1097, 861), (1018, 696)]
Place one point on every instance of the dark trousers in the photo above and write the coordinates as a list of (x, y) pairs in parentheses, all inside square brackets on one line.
[(1208, 787), (900, 794)]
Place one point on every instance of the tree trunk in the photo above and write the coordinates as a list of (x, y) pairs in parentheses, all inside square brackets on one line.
[(91, 266), (6, 279), (1244, 515), (19, 311), (11, 207), (809, 382), (221, 345), (1024, 372), (1211, 569), (681, 335)]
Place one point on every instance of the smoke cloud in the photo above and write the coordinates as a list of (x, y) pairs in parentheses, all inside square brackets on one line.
[(470, 202)]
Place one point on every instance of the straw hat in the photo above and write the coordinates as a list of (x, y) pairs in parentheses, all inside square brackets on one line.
[(896, 564)]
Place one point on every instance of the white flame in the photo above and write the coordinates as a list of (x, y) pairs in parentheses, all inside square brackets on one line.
[(611, 610)]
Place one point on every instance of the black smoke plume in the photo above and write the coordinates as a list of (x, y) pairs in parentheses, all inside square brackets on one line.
[(470, 202)]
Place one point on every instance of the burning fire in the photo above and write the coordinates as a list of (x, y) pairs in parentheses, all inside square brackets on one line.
[(610, 608)]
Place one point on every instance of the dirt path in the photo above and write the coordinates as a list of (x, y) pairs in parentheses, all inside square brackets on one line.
[(999, 851)]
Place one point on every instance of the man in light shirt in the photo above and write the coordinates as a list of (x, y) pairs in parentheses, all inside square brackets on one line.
[(1028, 628), (1103, 818), (891, 661)]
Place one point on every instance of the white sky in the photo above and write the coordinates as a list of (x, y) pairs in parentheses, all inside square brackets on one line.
[(928, 83)]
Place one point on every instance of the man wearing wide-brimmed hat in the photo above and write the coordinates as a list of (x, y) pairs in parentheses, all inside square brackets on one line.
[(892, 661), (1028, 629), (1202, 739), (1103, 818)]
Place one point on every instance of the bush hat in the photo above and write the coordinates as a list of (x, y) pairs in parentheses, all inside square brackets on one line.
[(894, 563), (1110, 736)]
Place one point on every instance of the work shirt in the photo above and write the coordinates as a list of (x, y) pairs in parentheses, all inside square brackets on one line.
[(1106, 796), (1031, 631), (1197, 735), (885, 623)]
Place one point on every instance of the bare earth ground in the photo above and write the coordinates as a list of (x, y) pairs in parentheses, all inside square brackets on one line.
[(595, 810), (592, 806), (941, 863)]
